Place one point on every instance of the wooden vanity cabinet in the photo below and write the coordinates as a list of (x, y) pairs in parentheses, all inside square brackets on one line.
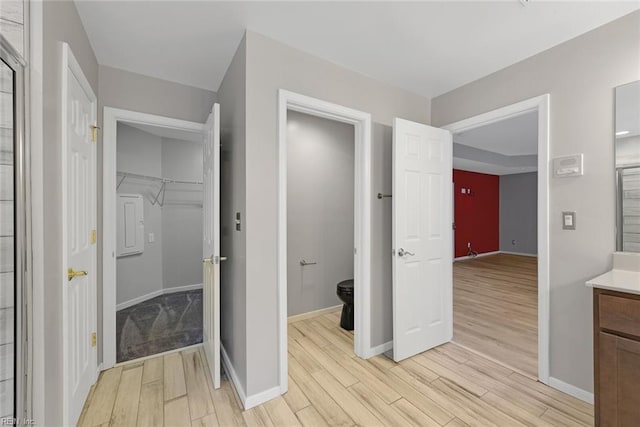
[(617, 358)]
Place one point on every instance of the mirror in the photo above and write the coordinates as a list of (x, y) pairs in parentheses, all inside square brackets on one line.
[(627, 154)]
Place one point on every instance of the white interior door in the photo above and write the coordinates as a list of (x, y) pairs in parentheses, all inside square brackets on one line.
[(422, 222), (79, 283), (211, 245)]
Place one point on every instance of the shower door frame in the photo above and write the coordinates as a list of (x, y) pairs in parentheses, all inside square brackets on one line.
[(21, 233)]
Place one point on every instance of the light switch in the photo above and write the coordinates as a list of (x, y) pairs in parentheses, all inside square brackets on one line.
[(152, 238), (568, 220)]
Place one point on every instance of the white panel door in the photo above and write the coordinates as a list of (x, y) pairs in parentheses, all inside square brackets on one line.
[(422, 223), (211, 245), (79, 240)]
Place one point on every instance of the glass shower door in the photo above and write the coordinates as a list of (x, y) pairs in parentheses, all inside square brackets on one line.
[(13, 222), (7, 243)]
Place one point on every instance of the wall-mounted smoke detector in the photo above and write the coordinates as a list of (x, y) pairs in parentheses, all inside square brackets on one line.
[(525, 3)]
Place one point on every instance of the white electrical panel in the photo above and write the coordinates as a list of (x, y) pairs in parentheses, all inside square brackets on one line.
[(567, 166), (130, 225)]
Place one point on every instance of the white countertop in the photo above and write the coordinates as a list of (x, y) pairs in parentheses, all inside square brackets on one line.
[(618, 280)]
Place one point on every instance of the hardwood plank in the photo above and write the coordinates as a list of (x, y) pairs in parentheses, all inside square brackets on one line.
[(309, 332), (104, 397), (227, 410), (257, 416), (295, 397), (280, 412), (495, 308), (514, 411), (413, 415), (356, 410), (557, 418), (125, 409), (176, 412), (174, 384), (387, 393), (319, 398), (151, 407), (207, 421), (153, 370), (388, 414), (310, 417), (200, 403), (338, 371)]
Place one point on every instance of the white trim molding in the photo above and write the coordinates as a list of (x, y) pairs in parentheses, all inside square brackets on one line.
[(110, 124), (571, 390), (362, 216), (541, 105), (310, 314), (519, 254), (164, 291), (378, 349), (462, 258)]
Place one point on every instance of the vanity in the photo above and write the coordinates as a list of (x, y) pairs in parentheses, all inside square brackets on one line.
[(616, 294), (616, 341)]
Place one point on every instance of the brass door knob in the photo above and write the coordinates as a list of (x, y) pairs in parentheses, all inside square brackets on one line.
[(71, 273)]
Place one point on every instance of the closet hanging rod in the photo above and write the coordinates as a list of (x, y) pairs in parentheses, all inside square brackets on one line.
[(155, 178)]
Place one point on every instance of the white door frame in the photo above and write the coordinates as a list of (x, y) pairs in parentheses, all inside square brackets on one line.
[(71, 66), (362, 226), (109, 138), (541, 105)]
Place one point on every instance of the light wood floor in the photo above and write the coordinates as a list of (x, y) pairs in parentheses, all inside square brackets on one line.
[(495, 308), (328, 385)]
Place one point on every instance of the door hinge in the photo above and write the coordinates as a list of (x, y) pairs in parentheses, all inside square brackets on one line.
[(94, 133), (94, 237), (94, 339)]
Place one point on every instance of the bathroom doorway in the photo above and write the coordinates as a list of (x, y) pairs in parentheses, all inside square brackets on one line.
[(320, 232), (324, 231)]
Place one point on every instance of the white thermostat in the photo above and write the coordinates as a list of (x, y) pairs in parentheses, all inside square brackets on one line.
[(568, 166)]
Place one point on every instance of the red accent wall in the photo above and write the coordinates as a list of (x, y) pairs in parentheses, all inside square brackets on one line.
[(476, 214)]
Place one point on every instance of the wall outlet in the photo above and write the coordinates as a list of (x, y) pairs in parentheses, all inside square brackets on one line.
[(152, 238), (513, 242)]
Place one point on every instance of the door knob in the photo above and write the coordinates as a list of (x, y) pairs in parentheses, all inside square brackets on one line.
[(223, 258), (402, 252), (71, 273)]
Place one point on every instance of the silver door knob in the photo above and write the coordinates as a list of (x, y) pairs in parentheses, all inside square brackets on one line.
[(402, 252)]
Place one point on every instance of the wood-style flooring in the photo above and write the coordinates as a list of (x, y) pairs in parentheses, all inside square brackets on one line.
[(328, 385), (495, 309)]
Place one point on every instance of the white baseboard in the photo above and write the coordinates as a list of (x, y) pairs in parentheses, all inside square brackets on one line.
[(571, 390), (462, 258), (260, 398), (233, 376), (247, 402), (303, 316), (154, 294), (379, 349), (518, 253)]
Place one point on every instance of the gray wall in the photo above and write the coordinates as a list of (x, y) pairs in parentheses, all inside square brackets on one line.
[(61, 23), (182, 214), (519, 213), (320, 208), (233, 296), (175, 257), (141, 153), (580, 75), (271, 66)]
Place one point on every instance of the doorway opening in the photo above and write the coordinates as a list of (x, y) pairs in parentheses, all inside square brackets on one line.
[(153, 223), (320, 234), (159, 228), (500, 272), (302, 269)]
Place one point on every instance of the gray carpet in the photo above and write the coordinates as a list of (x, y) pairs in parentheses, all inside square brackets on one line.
[(160, 324)]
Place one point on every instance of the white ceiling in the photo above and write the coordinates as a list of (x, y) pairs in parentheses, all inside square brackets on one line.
[(425, 47), (163, 132), (508, 139), (516, 136)]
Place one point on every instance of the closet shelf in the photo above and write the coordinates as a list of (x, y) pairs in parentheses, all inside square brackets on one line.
[(160, 201)]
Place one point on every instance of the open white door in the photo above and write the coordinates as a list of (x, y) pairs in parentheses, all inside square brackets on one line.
[(211, 245), (422, 222), (79, 304)]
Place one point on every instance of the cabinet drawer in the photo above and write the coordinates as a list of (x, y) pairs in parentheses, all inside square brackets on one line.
[(619, 314)]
